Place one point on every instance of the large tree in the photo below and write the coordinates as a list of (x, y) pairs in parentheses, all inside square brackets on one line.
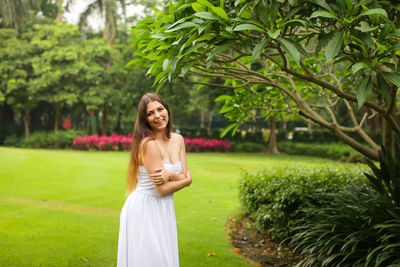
[(109, 10), (298, 56)]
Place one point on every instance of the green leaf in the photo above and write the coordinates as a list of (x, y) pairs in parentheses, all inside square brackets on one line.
[(290, 49), (374, 11), (206, 3), (384, 89), (225, 109), (322, 13), (246, 26), (206, 15), (333, 47), (207, 36), (364, 91), (358, 66), (215, 51), (274, 34), (394, 77), (297, 21), (198, 7), (365, 27), (384, 32), (227, 129), (171, 8), (223, 98), (165, 64), (220, 12), (258, 49), (182, 26)]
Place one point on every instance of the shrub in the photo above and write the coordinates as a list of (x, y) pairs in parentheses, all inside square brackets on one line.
[(12, 140), (36, 140), (275, 199), (206, 145), (248, 147), (361, 225), (61, 139), (315, 135), (104, 143), (256, 137), (336, 151)]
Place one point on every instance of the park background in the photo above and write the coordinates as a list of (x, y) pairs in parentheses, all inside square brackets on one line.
[(245, 92)]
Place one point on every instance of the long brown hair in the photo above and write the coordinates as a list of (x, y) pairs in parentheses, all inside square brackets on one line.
[(142, 130)]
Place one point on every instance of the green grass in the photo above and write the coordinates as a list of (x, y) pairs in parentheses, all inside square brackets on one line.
[(61, 208)]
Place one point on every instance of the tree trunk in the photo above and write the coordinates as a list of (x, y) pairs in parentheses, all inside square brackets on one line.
[(57, 118), (284, 123), (254, 120), (105, 120), (210, 119), (202, 115), (26, 122), (273, 149), (97, 122), (118, 119)]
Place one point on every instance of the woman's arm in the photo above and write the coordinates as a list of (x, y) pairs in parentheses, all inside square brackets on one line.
[(151, 158), (182, 158)]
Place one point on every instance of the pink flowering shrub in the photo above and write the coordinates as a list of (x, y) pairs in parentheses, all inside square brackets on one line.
[(104, 143), (206, 145), (120, 142)]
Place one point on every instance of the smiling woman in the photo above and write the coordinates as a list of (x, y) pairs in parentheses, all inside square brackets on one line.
[(148, 234)]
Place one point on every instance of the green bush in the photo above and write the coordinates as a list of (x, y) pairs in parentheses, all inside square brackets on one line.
[(315, 135), (61, 139), (12, 140), (336, 151), (248, 147), (361, 225), (256, 137), (358, 227), (275, 199)]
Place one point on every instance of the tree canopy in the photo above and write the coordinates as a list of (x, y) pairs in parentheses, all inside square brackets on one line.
[(304, 57)]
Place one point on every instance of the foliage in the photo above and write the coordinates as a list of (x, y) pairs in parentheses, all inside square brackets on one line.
[(120, 142), (360, 225), (12, 140), (299, 56), (336, 151), (355, 227), (104, 143), (206, 145), (61, 139), (315, 135), (276, 198), (248, 147)]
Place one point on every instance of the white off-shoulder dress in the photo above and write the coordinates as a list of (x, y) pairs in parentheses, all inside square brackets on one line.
[(147, 232)]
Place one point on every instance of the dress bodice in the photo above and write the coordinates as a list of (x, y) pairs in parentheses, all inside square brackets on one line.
[(146, 186)]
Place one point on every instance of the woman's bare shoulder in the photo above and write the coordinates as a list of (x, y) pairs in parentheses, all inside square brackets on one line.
[(177, 137), (148, 142)]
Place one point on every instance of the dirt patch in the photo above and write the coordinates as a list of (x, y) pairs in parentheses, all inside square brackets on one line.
[(256, 246)]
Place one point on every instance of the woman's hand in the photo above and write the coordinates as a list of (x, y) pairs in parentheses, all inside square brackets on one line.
[(188, 178), (160, 176)]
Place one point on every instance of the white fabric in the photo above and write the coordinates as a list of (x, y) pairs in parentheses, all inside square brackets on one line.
[(147, 233)]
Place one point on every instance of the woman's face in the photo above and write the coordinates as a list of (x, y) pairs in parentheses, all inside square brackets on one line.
[(157, 116)]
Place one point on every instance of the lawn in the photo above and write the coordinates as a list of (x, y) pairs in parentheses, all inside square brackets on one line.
[(61, 208)]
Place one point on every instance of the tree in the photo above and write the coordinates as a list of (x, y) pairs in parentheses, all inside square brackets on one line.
[(58, 66), (313, 55), (108, 9)]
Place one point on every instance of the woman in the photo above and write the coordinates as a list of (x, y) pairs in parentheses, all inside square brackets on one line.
[(157, 168)]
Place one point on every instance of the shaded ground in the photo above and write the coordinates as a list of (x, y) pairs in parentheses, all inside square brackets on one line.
[(256, 246)]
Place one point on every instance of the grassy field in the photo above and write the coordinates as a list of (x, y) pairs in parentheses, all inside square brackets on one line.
[(61, 208)]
